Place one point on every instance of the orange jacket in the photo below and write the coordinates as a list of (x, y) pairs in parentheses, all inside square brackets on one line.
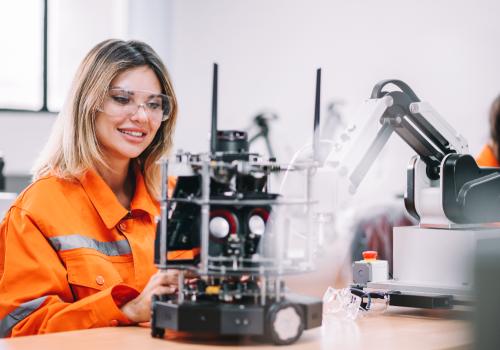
[(487, 157), (71, 255)]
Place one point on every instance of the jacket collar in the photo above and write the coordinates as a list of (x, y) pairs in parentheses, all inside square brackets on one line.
[(142, 199), (107, 205)]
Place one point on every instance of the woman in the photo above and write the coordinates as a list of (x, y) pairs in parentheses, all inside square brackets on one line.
[(490, 153), (76, 247)]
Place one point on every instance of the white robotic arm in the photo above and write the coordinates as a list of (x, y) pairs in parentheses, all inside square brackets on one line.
[(445, 187), (447, 192)]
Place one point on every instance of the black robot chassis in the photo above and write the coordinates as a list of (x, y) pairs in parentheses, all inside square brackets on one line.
[(215, 230)]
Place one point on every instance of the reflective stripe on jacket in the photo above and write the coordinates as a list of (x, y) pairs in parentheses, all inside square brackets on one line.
[(71, 255)]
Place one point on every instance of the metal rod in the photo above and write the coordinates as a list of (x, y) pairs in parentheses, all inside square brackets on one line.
[(263, 289), (317, 111), (164, 214), (205, 215), (269, 147), (252, 202), (213, 137), (180, 293), (277, 288), (282, 230), (309, 235)]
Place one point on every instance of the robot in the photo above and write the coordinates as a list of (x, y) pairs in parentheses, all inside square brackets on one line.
[(222, 223), (454, 200)]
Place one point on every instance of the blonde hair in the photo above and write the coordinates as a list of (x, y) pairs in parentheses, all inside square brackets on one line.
[(73, 146)]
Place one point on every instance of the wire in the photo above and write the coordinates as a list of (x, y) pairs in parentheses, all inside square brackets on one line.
[(290, 167), (294, 159)]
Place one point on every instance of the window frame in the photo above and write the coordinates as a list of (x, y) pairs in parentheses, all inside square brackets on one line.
[(44, 107)]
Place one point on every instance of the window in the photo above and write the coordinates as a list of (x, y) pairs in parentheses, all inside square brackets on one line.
[(21, 61), (73, 28)]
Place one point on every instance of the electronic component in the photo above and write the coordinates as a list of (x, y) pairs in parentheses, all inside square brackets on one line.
[(219, 225), (452, 198), (369, 269)]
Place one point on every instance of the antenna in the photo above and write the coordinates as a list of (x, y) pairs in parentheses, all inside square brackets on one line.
[(316, 116), (213, 137)]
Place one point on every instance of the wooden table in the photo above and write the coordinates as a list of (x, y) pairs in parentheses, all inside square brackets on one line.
[(398, 328)]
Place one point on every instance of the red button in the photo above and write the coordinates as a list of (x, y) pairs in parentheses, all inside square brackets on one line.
[(113, 323), (122, 226), (370, 255)]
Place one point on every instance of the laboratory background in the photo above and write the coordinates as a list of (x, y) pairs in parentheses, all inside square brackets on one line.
[(268, 53)]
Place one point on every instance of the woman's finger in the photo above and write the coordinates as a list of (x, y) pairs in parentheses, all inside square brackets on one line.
[(161, 290)]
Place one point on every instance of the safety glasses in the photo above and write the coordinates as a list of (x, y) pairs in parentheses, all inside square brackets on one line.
[(122, 102)]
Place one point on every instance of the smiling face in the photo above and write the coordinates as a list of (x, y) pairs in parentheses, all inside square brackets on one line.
[(123, 136)]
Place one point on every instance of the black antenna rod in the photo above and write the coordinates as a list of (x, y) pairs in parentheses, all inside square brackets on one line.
[(317, 107), (213, 136)]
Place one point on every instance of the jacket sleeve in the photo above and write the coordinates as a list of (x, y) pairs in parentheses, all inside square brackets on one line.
[(487, 157), (35, 296), (172, 182)]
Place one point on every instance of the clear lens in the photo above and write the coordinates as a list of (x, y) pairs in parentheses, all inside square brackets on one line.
[(341, 303), (121, 102)]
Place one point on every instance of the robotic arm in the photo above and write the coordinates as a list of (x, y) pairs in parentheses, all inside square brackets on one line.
[(445, 187)]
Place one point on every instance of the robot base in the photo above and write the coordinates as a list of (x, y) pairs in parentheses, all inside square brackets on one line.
[(433, 267), (281, 322), (409, 295)]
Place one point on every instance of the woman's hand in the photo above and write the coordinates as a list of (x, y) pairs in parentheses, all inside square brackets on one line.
[(162, 282)]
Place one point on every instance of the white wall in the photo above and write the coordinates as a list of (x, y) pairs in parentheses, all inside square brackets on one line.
[(268, 51), (446, 50), (24, 134)]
